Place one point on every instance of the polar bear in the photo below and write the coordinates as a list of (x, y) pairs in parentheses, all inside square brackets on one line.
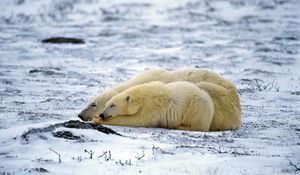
[(211, 79), (227, 108), (178, 105)]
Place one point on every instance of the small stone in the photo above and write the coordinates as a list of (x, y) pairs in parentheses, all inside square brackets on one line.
[(63, 40)]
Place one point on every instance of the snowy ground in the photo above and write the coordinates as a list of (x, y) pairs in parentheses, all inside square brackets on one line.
[(255, 44)]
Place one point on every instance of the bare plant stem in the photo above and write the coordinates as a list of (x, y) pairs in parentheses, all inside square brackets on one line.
[(294, 165), (138, 157), (90, 152), (59, 157)]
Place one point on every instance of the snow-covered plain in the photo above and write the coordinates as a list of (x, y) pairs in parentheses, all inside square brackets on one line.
[(255, 44)]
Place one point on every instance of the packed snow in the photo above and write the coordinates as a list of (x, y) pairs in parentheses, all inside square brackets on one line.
[(255, 44)]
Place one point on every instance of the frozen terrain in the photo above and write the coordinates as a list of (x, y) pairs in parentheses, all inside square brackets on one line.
[(254, 43)]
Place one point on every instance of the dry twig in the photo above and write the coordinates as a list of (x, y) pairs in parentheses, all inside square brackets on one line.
[(138, 157), (294, 165), (59, 157), (90, 152)]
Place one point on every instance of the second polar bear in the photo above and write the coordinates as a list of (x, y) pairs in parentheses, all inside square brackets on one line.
[(207, 80), (177, 105)]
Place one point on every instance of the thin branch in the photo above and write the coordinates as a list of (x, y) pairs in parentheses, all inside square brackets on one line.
[(79, 158), (154, 148), (127, 162), (104, 153), (294, 165), (138, 157), (107, 155), (59, 157), (90, 152)]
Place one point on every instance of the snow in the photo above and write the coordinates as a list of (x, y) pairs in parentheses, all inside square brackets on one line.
[(255, 44), (230, 13)]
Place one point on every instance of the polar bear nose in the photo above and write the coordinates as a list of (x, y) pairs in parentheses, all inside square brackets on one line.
[(102, 116), (80, 116)]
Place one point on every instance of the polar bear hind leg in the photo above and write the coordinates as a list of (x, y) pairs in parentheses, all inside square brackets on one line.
[(199, 114)]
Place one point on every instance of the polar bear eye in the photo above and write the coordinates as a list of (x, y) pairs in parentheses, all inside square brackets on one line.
[(112, 105), (93, 104)]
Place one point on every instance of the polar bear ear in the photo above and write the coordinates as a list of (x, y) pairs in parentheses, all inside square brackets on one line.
[(128, 98)]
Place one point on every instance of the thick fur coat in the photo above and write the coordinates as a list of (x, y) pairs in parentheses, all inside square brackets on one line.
[(181, 105), (178, 105)]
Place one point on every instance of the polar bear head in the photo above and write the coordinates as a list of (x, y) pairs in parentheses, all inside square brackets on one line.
[(96, 106), (136, 99), (123, 104), (93, 109)]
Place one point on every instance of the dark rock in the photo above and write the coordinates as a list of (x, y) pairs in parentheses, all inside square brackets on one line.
[(66, 135), (265, 20), (291, 38), (296, 93), (69, 124), (63, 40), (44, 72), (77, 124), (82, 125), (265, 49), (40, 170), (25, 136)]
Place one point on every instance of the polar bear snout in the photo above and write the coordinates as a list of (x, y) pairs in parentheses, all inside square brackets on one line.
[(81, 117), (104, 116)]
